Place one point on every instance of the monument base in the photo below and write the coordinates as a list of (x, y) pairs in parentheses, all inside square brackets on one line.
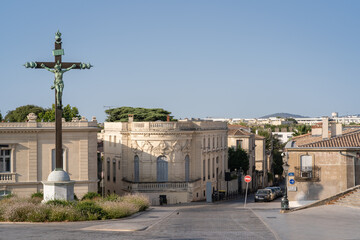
[(58, 186)]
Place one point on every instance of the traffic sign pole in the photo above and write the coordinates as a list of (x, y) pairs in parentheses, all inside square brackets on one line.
[(247, 184), (247, 179)]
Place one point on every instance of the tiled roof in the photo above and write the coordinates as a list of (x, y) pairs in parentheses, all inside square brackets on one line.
[(349, 138), (238, 132), (258, 137)]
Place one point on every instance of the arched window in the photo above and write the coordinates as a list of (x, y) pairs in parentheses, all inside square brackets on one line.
[(108, 169), (162, 169), (187, 168), (114, 170), (136, 168)]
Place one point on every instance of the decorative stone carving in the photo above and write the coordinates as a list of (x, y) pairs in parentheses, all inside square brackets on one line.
[(31, 117), (162, 149), (186, 148), (147, 147), (135, 147)]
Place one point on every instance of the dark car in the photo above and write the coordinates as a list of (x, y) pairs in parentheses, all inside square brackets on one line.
[(263, 195)]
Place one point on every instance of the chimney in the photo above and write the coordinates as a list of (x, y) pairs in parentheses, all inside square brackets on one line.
[(325, 128), (131, 118), (168, 118), (336, 129)]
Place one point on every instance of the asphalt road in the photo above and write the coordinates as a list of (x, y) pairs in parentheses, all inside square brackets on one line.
[(198, 221)]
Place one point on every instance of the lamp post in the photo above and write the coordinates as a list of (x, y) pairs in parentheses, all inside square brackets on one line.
[(284, 200)]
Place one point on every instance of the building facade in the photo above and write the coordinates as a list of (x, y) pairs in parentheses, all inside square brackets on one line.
[(168, 161), (322, 163), (27, 155)]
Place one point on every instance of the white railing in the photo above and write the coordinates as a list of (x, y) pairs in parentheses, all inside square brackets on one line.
[(7, 177)]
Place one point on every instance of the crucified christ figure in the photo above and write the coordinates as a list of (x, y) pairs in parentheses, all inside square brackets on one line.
[(58, 82)]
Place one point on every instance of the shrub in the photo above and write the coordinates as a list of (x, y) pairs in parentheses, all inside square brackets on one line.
[(90, 210), (90, 196), (18, 212), (37, 195), (57, 202), (39, 213), (140, 201), (118, 209), (112, 197), (65, 213)]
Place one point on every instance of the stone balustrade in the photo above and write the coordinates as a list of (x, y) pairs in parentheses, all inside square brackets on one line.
[(7, 177), (160, 186), (78, 124)]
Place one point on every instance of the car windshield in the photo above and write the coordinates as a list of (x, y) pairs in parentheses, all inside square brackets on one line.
[(262, 191)]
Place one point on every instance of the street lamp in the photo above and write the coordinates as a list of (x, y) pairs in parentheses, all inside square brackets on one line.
[(284, 200)]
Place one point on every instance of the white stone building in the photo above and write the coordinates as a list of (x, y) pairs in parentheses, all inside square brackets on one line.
[(167, 160), (27, 155)]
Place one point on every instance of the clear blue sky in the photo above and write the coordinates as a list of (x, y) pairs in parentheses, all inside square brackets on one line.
[(193, 58)]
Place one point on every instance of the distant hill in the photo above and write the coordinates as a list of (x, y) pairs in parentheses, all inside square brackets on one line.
[(283, 115)]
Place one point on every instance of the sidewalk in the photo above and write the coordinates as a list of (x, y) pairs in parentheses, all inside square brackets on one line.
[(137, 222)]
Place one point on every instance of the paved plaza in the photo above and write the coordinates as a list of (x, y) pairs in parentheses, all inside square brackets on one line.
[(200, 221)]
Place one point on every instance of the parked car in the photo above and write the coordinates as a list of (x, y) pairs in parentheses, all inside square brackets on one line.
[(263, 195), (273, 193), (276, 191), (279, 191)]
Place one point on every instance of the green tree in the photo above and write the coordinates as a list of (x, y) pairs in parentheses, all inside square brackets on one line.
[(273, 145), (20, 113), (140, 114), (238, 159), (301, 129), (68, 113), (0, 117)]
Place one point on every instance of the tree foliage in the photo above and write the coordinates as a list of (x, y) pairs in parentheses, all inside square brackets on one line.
[(0, 117), (238, 159), (301, 129), (140, 114), (20, 113), (68, 113), (44, 114)]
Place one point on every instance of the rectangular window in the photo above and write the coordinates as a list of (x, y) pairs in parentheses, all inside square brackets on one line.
[(239, 144), (306, 163), (208, 168), (213, 168), (5, 160), (108, 169), (114, 170), (203, 170)]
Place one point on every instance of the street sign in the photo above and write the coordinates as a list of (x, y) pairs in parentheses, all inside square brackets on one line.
[(291, 174), (291, 188), (292, 181), (247, 178)]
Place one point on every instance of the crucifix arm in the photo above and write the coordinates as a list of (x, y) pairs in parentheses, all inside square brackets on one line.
[(49, 69), (68, 69)]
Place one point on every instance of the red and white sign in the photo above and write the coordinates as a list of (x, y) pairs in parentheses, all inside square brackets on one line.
[(247, 178)]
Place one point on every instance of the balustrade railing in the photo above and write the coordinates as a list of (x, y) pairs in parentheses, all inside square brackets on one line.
[(7, 177), (159, 186)]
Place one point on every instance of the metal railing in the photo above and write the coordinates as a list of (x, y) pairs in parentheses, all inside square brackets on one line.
[(312, 175)]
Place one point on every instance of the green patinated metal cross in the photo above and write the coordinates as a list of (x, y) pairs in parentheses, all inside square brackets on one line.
[(58, 68)]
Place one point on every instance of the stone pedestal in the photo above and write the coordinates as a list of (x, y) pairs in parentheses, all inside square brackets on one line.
[(58, 186)]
